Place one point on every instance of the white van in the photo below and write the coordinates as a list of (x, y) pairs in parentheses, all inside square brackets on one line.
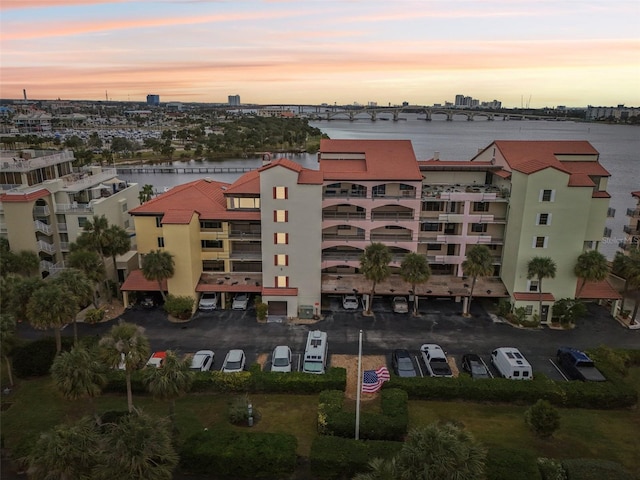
[(511, 363), (315, 353)]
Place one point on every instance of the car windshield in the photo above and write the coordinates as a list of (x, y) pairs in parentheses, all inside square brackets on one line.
[(478, 369), (312, 366), (233, 365), (405, 364), (280, 362), (241, 298), (208, 296)]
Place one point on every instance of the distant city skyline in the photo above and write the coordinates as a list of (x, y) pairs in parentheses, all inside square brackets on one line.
[(541, 53)]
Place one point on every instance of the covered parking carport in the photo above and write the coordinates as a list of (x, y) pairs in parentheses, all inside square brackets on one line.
[(602, 292), (136, 282)]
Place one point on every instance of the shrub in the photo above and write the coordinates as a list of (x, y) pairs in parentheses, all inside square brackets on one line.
[(94, 315), (504, 307), (179, 306), (542, 418), (238, 411), (34, 359), (551, 469), (511, 463), (594, 469), (261, 310)]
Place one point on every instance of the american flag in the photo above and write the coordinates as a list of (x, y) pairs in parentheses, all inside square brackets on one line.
[(372, 380)]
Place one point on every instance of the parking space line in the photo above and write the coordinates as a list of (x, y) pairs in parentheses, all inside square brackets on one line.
[(558, 369), (487, 367), (419, 367)]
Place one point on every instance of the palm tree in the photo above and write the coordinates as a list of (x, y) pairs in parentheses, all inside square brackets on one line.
[(7, 341), (24, 263), (52, 306), (66, 452), (19, 292), (628, 267), (591, 266), (380, 469), (76, 282), (541, 267), (414, 270), (125, 342), (95, 233), (478, 263), (118, 243), (146, 193), (158, 265), (169, 382), (90, 264), (77, 374), (374, 264)]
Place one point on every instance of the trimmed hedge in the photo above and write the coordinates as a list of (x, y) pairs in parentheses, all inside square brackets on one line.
[(511, 464), (234, 455), (594, 469), (335, 457), (390, 425)]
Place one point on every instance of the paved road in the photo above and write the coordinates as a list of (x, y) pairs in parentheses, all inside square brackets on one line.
[(440, 322)]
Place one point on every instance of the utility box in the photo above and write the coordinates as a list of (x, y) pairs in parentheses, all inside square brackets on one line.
[(306, 312)]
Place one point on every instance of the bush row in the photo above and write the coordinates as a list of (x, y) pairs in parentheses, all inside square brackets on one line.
[(511, 463), (594, 469), (233, 454), (253, 381), (335, 457), (391, 424)]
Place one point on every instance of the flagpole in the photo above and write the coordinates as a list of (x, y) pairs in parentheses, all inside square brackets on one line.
[(359, 387)]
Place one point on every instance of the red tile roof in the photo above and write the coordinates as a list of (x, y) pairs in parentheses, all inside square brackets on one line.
[(249, 184), (382, 160), (454, 163), (305, 175), (136, 282), (502, 173), (529, 296), (279, 292), (636, 194), (24, 197), (600, 194), (238, 288), (177, 217), (597, 290), (580, 180)]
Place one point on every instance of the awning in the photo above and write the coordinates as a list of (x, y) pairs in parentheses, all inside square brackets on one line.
[(529, 296), (597, 291), (114, 181), (136, 282)]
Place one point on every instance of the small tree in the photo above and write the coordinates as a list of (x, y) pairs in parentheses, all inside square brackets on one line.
[(567, 311), (478, 263), (179, 306), (591, 266), (374, 264), (158, 265), (542, 418), (414, 270)]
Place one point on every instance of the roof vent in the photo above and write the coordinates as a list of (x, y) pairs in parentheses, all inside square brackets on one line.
[(436, 155), (223, 188), (208, 179)]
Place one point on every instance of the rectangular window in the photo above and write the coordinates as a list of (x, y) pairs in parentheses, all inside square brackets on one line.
[(540, 242), (480, 206), (280, 238), (159, 222), (210, 225), (432, 206), (281, 260), (126, 224), (282, 281), (433, 246), (543, 219), (160, 242), (528, 309), (280, 216), (479, 227), (547, 195), (280, 193), (532, 286), (211, 243), (124, 207), (430, 227), (379, 190), (82, 221), (344, 227)]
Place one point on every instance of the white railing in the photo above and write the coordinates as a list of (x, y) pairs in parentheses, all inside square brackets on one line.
[(42, 227), (62, 227), (46, 247), (42, 210), (73, 208)]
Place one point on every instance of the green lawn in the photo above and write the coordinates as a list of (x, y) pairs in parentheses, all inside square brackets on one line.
[(36, 406)]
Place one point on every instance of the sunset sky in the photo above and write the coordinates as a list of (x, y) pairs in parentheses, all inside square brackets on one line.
[(545, 53)]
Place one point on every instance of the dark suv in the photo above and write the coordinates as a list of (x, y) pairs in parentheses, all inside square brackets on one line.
[(402, 363)]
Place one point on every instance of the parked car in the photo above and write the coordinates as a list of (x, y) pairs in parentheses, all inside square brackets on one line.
[(350, 302), (400, 305), (578, 366), (202, 360), (435, 360), (157, 359), (402, 363), (234, 361), (281, 359), (208, 301), (148, 302), (474, 366), (240, 301), (511, 363)]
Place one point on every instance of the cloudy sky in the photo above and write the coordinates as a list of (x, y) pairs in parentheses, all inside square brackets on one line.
[(544, 53)]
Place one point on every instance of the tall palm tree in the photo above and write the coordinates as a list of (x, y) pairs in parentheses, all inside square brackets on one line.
[(158, 265), (95, 231), (478, 263), (52, 306), (19, 291), (146, 193), (90, 264), (540, 268), (628, 267), (118, 243), (24, 263), (78, 374), (76, 282), (374, 264), (414, 270), (591, 266), (171, 381), (380, 469), (7, 341), (125, 341)]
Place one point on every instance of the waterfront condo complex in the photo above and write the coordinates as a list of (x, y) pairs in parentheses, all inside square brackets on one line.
[(294, 235)]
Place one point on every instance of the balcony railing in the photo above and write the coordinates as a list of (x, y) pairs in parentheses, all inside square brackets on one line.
[(42, 227), (46, 247), (238, 234), (246, 255), (344, 194), (3, 228), (392, 216), (64, 246), (355, 257), (344, 238), (380, 237), (62, 227), (344, 215), (73, 208), (633, 212), (42, 211)]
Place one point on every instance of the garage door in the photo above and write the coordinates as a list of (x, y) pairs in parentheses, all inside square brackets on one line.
[(278, 308)]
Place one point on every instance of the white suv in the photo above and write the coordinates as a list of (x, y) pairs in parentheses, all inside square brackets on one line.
[(350, 302), (281, 359), (202, 360), (208, 301), (234, 361), (240, 301)]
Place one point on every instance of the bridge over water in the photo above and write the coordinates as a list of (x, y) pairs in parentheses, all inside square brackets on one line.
[(124, 169)]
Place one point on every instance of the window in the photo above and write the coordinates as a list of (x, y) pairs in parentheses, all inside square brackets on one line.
[(210, 225), (244, 202), (82, 221), (344, 227), (430, 227), (547, 195), (532, 286), (479, 227), (433, 246), (160, 242), (280, 238), (281, 260), (159, 222), (280, 193), (126, 223), (211, 243), (404, 186), (543, 219), (540, 242), (282, 281), (280, 216), (432, 206), (528, 309), (379, 190), (124, 207), (480, 206)]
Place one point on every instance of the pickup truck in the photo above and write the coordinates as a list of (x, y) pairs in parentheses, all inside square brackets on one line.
[(435, 360), (578, 366)]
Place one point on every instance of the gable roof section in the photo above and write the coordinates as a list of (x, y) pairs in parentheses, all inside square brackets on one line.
[(248, 184), (178, 217), (305, 175), (382, 160), (24, 197)]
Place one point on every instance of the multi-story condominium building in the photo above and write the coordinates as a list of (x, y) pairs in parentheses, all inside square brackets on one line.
[(153, 100), (234, 100), (632, 240), (44, 202), (293, 234)]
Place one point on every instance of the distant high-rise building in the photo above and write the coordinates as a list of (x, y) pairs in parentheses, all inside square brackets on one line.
[(234, 100), (153, 100)]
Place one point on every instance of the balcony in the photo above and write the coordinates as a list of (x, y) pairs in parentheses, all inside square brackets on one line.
[(344, 238), (62, 227), (42, 211), (74, 208), (458, 192), (355, 257), (381, 237), (46, 247), (329, 215), (246, 255), (628, 229), (470, 240), (41, 227), (395, 216), (451, 217), (633, 212), (344, 193), (245, 235)]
